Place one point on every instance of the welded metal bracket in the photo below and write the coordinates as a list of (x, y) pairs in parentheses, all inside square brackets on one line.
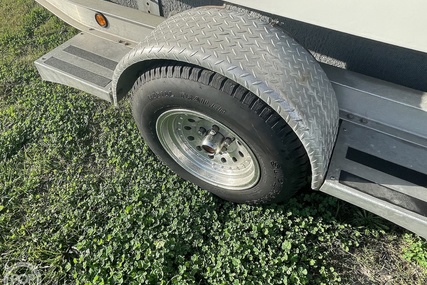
[(149, 6)]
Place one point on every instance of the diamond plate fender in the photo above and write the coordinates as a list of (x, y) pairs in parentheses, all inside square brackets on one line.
[(256, 55)]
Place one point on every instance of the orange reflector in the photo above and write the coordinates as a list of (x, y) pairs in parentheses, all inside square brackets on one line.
[(101, 20)]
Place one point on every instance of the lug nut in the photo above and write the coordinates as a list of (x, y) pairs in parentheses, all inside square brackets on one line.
[(226, 144), (214, 130), (202, 131)]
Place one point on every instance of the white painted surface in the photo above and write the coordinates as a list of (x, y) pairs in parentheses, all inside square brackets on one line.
[(401, 23)]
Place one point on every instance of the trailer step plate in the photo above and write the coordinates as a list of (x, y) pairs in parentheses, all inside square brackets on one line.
[(85, 62), (381, 173)]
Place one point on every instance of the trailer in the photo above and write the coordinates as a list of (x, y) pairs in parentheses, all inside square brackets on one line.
[(254, 100)]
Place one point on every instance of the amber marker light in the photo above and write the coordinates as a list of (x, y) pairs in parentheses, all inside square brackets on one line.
[(101, 20)]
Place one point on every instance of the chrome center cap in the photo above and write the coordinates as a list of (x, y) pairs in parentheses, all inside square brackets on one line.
[(213, 142)]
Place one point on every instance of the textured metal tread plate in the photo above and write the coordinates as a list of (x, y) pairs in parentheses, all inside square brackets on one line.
[(85, 62), (258, 56), (92, 57), (383, 174), (77, 71)]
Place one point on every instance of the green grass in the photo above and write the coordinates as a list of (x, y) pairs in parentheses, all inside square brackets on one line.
[(85, 200)]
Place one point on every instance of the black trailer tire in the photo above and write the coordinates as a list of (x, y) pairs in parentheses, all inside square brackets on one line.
[(174, 107)]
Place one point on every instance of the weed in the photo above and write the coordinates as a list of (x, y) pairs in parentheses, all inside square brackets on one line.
[(84, 199), (415, 250)]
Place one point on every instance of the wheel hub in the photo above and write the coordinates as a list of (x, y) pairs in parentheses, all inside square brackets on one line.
[(214, 142), (208, 149)]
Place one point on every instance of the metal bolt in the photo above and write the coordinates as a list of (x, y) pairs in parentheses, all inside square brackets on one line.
[(350, 116)]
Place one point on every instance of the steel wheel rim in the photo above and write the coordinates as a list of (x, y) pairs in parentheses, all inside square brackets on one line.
[(234, 168)]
